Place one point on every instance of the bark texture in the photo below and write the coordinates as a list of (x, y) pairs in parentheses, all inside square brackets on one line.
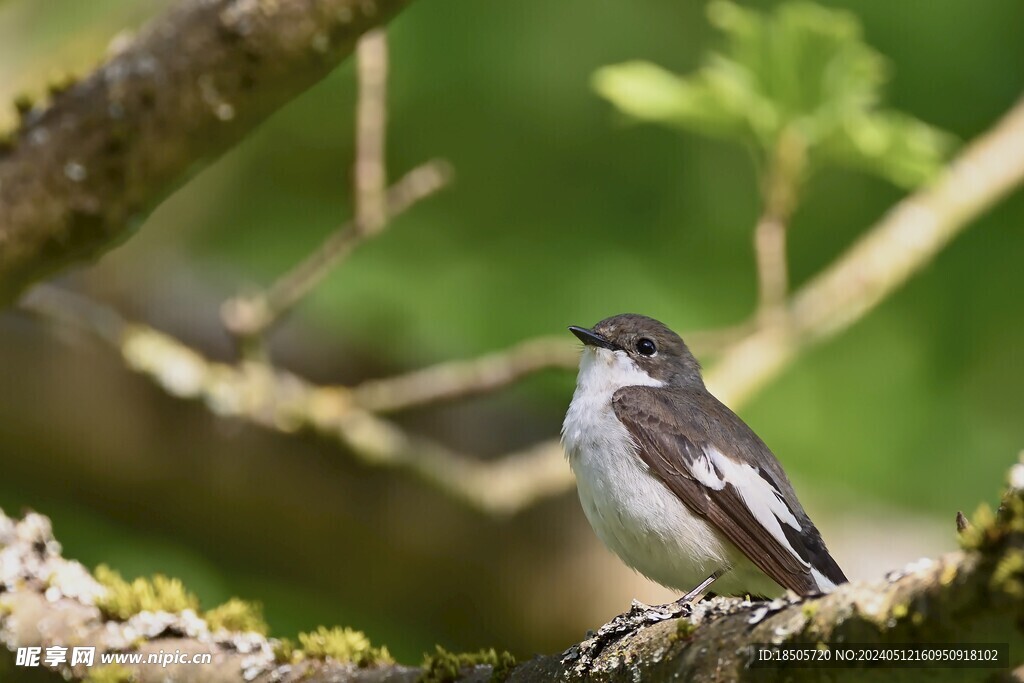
[(80, 172)]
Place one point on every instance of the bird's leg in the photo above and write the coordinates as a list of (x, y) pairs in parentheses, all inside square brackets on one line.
[(696, 592)]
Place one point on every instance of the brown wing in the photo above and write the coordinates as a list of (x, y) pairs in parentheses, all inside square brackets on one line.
[(673, 448)]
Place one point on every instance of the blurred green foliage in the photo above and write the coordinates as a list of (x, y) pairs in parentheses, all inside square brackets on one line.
[(803, 71)]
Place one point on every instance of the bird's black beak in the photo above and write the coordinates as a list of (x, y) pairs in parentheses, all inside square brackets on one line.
[(591, 338)]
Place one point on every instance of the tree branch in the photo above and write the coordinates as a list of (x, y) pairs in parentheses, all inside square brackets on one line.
[(87, 167), (972, 596), (780, 185), (371, 177), (462, 378)]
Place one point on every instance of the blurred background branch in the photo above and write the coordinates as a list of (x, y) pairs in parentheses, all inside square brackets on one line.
[(371, 176), (463, 378), (780, 183)]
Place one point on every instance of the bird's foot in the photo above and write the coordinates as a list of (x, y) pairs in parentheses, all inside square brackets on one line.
[(581, 656), (641, 614)]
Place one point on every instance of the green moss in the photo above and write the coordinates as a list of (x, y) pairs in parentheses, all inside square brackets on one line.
[(343, 645), (503, 667), (998, 537), (285, 651), (1008, 574), (109, 673), (23, 103), (237, 615), (124, 599), (809, 609), (949, 574), (444, 666), (978, 535), (684, 629), (991, 531), (59, 84), (1011, 513)]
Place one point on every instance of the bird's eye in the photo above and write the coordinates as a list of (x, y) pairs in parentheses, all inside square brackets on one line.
[(645, 347)]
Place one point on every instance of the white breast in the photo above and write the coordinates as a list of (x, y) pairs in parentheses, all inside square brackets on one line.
[(628, 506)]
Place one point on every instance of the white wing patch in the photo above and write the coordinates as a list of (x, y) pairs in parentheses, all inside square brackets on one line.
[(704, 472), (762, 499), (825, 585)]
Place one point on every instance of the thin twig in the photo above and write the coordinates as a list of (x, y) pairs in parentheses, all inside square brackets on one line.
[(461, 378), (371, 126), (251, 316), (779, 188), (772, 268)]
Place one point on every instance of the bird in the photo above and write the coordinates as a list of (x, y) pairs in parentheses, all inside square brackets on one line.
[(674, 482)]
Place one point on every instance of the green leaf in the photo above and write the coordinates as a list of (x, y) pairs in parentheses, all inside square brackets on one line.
[(648, 92), (897, 147), (804, 69)]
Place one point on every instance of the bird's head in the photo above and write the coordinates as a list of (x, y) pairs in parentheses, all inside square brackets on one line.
[(635, 342)]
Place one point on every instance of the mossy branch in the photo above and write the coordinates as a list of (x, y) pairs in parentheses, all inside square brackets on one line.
[(974, 595), (82, 170)]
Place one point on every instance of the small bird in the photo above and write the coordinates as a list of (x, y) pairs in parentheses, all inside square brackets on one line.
[(673, 482)]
